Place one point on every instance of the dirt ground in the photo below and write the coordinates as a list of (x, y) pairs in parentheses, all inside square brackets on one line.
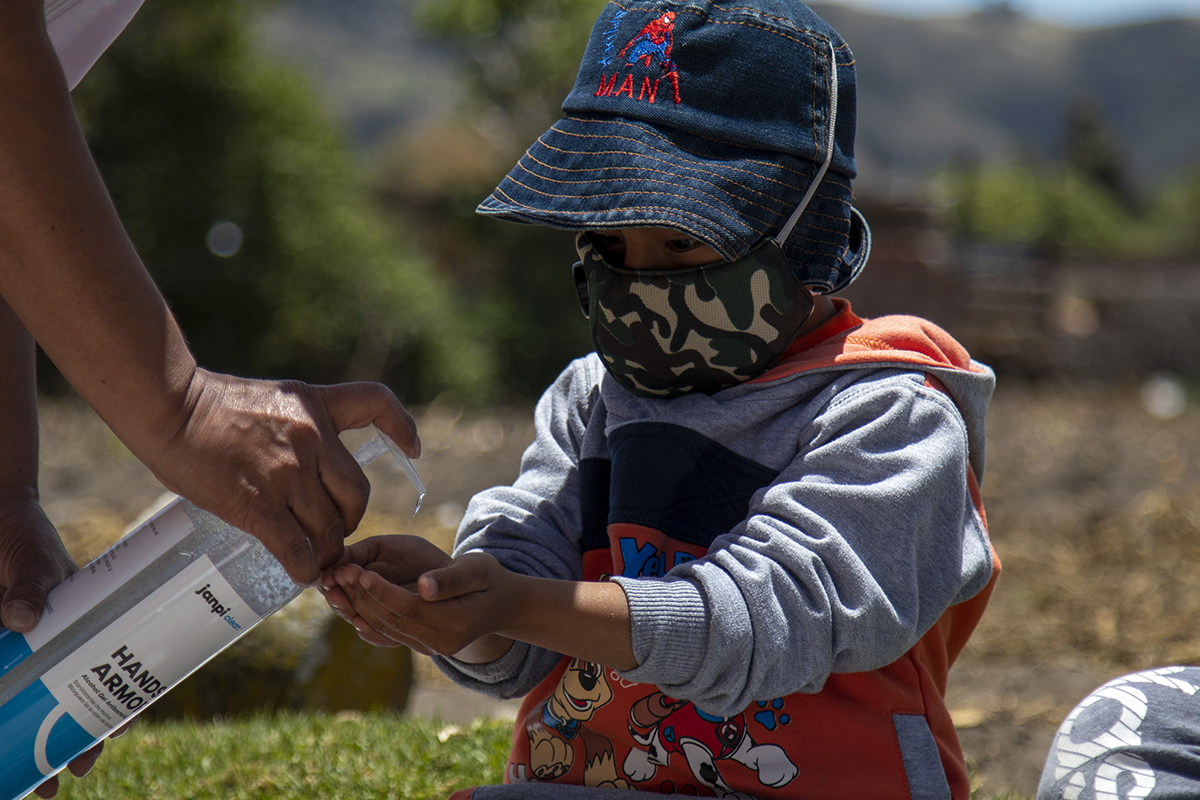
[(1092, 505)]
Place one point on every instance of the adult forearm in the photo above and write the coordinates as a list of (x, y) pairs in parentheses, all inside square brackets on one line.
[(18, 410), (262, 455), (67, 268), (32, 557)]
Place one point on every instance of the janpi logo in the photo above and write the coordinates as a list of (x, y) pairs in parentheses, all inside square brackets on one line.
[(217, 608), (650, 50)]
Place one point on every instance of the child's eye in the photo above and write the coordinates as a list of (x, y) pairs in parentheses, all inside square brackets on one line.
[(610, 245), (682, 245)]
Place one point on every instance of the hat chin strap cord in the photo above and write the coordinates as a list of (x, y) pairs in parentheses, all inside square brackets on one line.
[(786, 230)]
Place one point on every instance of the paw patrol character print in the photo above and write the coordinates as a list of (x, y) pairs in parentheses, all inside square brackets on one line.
[(652, 46), (665, 726), (554, 727)]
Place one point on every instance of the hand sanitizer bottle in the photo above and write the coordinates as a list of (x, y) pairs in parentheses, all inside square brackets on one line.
[(141, 617), (81, 30)]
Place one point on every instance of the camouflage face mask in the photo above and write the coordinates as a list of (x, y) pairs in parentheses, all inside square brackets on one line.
[(664, 333)]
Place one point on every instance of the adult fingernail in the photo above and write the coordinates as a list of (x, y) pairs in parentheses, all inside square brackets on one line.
[(19, 615)]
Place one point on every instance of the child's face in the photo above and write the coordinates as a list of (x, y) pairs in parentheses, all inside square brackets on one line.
[(653, 248)]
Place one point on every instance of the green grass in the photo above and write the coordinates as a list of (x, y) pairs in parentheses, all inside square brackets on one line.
[(357, 757), (292, 756)]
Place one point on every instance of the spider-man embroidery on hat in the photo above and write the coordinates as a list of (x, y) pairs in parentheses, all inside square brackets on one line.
[(656, 39), (653, 43)]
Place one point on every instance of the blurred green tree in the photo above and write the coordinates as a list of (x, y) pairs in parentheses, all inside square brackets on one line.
[(519, 59), (250, 212), (1092, 151), (519, 56), (1051, 205), (1176, 214)]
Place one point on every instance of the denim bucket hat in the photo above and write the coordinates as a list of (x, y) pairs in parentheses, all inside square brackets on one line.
[(709, 117)]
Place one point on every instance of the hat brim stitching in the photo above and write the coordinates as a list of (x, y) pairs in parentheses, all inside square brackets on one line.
[(669, 158), (676, 218), (667, 143), (732, 211), (732, 217), (705, 233), (769, 223), (652, 132), (678, 215), (539, 215), (681, 212), (735, 213), (716, 187)]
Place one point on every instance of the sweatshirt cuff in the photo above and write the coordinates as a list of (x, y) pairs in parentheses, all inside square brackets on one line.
[(669, 622), (490, 673)]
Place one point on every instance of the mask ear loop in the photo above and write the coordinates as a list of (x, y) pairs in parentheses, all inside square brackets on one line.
[(581, 288), (786, 230)]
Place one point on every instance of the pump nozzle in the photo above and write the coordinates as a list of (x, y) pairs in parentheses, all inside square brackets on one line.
[(380, 444)]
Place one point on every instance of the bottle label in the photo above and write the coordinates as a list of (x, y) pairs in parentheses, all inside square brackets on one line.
[(72, 598), (149, 649)]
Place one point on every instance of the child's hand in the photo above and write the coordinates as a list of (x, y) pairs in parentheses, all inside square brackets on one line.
[(396, 559), (397, 590), (402, 590)]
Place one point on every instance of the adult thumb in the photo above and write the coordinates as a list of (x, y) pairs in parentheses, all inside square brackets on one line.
[(356, 405), (33, 563), (23, 602)]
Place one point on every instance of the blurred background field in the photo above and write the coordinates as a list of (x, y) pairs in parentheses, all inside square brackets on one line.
[(300, 177)]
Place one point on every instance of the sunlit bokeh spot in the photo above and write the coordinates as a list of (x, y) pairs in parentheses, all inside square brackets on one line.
[(450, 514), (1163, 396), (224, 239), (1075, 316)]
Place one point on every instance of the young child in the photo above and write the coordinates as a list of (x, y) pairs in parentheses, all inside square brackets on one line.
[(747, 542)]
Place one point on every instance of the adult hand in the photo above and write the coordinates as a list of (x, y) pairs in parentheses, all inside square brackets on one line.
[(32, 562), (79, 766), (265, 457)]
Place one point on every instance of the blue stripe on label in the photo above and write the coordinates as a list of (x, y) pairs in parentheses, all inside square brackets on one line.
[(13, 649), (21, 720)]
